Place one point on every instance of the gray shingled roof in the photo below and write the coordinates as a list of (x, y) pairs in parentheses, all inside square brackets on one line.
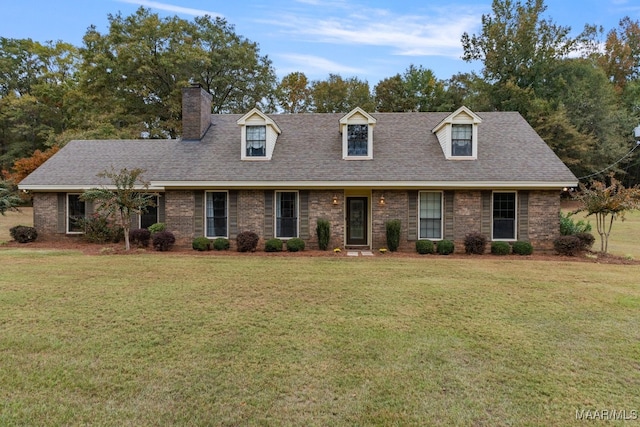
[(310, 149)]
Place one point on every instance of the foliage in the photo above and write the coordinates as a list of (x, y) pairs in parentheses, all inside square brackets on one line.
[(569, 227), (424, 247), (221, 244), (475, 243), (247, 241), (9, 199), (586, 240), (201, 243), (338, 95), (129, 197), (323, 231), (293, 93), (607, 203), (140, 237), (24, 166), (522, 248), (500, 248), (445, 247), (567, 245), (295, 245), (163, 241), (417, 89), (393, 228), (23, 233), (157, 227), (99, 228), (273, 245)]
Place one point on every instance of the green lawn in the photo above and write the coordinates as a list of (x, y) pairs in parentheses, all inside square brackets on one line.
[(166, 339)]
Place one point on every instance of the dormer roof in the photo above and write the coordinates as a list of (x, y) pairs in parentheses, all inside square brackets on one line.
[(254, 114), (458, 134)]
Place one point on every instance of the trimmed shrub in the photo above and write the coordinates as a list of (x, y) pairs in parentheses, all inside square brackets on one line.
[(445, 247), (567, 245), (98, 229), (163, 241), (23, 233), (475, 243), (247, 241), (522, 248), (294, 245), (424, 247), (323, 230), (157, 227), (569, 227), (201, 244), (140, 237), (393, 234), (221, 244), (500, 248), (273, 245), (586, 240)]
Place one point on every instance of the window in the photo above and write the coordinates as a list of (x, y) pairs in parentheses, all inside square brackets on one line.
[(504, 216), (461, 140), (357, 140), (256, 141), (430, 215), (76, 210), (286, 214), (216, 214)]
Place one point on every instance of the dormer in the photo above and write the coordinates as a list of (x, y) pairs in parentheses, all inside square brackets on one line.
[(357, 135), (458, 135), (259, 135)]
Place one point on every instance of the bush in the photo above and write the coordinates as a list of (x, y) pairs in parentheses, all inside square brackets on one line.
[(23, 233), (98, 229), (140, 237), (500, 248), (522, 248), (163, 241), (157, 227), (393, 234), (475, 243), (424, 247), (445, 247), (323, 230), (273, 245), (568, 227), (247, 241), (221, 244), (586, 240), (294, 245), (567, 245), (201, 244)]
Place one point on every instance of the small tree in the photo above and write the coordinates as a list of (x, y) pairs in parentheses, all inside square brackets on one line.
[(607, 203), (9, 199), (130, 196)]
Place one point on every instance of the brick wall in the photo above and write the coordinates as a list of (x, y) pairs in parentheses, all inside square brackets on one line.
[(321, 206), (196, 112), (45, 213), (544, 222), (467, 216), (396, 206), (179, 214)]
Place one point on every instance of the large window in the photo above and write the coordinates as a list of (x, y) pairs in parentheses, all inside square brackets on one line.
[(76, 211), (357, 140), (286, 214), (504, 216), (216, 214), (150, 215), (461, 140), (430, 215), (256, 141)]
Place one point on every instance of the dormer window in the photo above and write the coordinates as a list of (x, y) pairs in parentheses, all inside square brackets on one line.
[(259, 134), (458, 135), (357, 135)]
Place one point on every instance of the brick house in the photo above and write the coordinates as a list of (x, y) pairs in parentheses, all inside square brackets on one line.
[(442, 175)]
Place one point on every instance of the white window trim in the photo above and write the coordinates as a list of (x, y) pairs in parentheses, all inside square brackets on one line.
[(255, 117), (357, 116), (275, 214), (515, 219), (444, 132), (441, 216), (68, 214), (205, 213)]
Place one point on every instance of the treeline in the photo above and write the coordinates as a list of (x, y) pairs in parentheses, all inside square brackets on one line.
[(581, 94)]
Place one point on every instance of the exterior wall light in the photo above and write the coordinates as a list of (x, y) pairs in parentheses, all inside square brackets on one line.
[(335, 200), (381, 202)]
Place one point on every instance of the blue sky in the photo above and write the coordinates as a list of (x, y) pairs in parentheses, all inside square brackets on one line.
[(371, 40)]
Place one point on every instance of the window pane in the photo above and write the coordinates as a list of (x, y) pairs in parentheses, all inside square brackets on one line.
[(430, 215), (149, 217), (76, 212), (461, 140), (286, 214), (216, 214), (357, 140), (256, 141), (504, 215)]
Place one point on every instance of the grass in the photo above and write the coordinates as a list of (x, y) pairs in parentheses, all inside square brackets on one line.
[(11, 219), (162, 339)]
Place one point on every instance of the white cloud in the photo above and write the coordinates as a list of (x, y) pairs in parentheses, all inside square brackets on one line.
[(172, 8), (316, 64)]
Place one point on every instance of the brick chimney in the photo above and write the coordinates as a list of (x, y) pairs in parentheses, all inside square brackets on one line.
[(196, 112)]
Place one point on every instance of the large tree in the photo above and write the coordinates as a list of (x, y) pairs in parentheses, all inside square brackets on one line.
[(338, 95), (417, 89), (9, 199), (293, 93)]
